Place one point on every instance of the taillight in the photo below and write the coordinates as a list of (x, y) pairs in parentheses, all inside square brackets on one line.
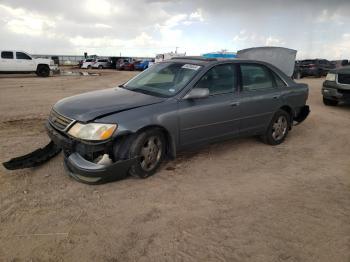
[(312, 65)]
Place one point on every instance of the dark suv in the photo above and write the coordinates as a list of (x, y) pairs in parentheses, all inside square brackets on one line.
[(312, 67), (336, 87)]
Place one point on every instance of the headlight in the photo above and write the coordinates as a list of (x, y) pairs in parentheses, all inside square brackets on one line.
[(92, 131), (330, 77)]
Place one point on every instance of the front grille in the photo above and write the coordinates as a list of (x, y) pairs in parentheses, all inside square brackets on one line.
[(59, 121), (344, 79)]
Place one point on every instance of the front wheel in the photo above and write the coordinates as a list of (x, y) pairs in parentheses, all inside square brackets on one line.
[(278, 128), (149, 146), (100, 67), (43, 71)]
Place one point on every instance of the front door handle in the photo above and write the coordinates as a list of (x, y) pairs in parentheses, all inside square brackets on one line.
[(234, 104), (276, 96)]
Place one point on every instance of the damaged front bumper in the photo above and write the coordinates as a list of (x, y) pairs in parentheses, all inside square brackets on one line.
[(83, 170), (88, 172), (76, 165)]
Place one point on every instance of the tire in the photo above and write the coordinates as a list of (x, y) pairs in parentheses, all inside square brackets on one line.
[(329, 102), (150, 146), (89, 67), (43, 71), (278, 128), (100, 67)]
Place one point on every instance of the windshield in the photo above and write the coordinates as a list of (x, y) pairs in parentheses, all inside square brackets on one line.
[(163, 79)]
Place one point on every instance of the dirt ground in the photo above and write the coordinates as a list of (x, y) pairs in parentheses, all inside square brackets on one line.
[(238, 200)]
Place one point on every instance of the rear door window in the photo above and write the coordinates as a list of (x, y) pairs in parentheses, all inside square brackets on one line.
[(20, 55), (256, 77), (7, 55)]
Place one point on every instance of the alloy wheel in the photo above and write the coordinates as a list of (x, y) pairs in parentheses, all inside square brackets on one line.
[(279, 128), (151, 153)]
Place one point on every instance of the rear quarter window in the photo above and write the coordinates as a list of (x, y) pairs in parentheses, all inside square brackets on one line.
[(7, 55), (279, 81)]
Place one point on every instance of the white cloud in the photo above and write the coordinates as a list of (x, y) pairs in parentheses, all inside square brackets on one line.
[(244, 40), (274, 41), (330, 17), (100, 8), (197, 15), (102, 26), (20, 21)]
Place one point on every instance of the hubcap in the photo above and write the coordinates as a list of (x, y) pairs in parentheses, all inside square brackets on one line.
[(151, 153), (279, 128)]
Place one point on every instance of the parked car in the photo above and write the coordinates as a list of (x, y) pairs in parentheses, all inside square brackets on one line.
[(101, 63), (312, 67), (21, 62), (336, 87), (174, 105), (142, 65), (122, 60), (127, 65), (87, 64)]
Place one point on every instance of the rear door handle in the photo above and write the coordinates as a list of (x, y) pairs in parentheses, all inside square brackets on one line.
[(276, 96), (234, 104)]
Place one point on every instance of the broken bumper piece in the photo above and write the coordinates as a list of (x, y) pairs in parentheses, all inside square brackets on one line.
[(35, 158), (91, 173)]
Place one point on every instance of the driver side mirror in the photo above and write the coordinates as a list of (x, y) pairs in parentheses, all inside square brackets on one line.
[(196, 93)]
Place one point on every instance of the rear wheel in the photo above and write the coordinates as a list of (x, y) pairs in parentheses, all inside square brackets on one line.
[(100, 67), (329, 102), (43, 71), (149, 146), (278, 128)]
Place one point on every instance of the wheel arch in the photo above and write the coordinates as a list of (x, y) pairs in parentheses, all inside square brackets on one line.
[(170, 142), (39, 65), (290, 111), (125, 140)]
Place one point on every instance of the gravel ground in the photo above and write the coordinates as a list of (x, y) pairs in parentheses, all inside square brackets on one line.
[(238, 200)]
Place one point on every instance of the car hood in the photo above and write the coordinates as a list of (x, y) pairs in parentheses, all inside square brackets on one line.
[(89, 106)]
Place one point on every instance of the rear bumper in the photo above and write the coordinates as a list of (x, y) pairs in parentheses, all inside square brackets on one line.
[(302, 114)]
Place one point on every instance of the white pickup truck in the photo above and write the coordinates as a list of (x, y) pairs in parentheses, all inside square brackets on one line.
[(20, 62)]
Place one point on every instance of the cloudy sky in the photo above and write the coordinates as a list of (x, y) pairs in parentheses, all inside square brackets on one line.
[(316, 28)]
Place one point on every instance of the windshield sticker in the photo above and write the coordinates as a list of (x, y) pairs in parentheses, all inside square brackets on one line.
[(192, 67), (172, 90)]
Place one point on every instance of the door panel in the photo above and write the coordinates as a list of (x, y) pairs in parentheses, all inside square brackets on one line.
[(215, 116), (208, 118), (259, 98), (24, 62), (7, 61), (257, 110)]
